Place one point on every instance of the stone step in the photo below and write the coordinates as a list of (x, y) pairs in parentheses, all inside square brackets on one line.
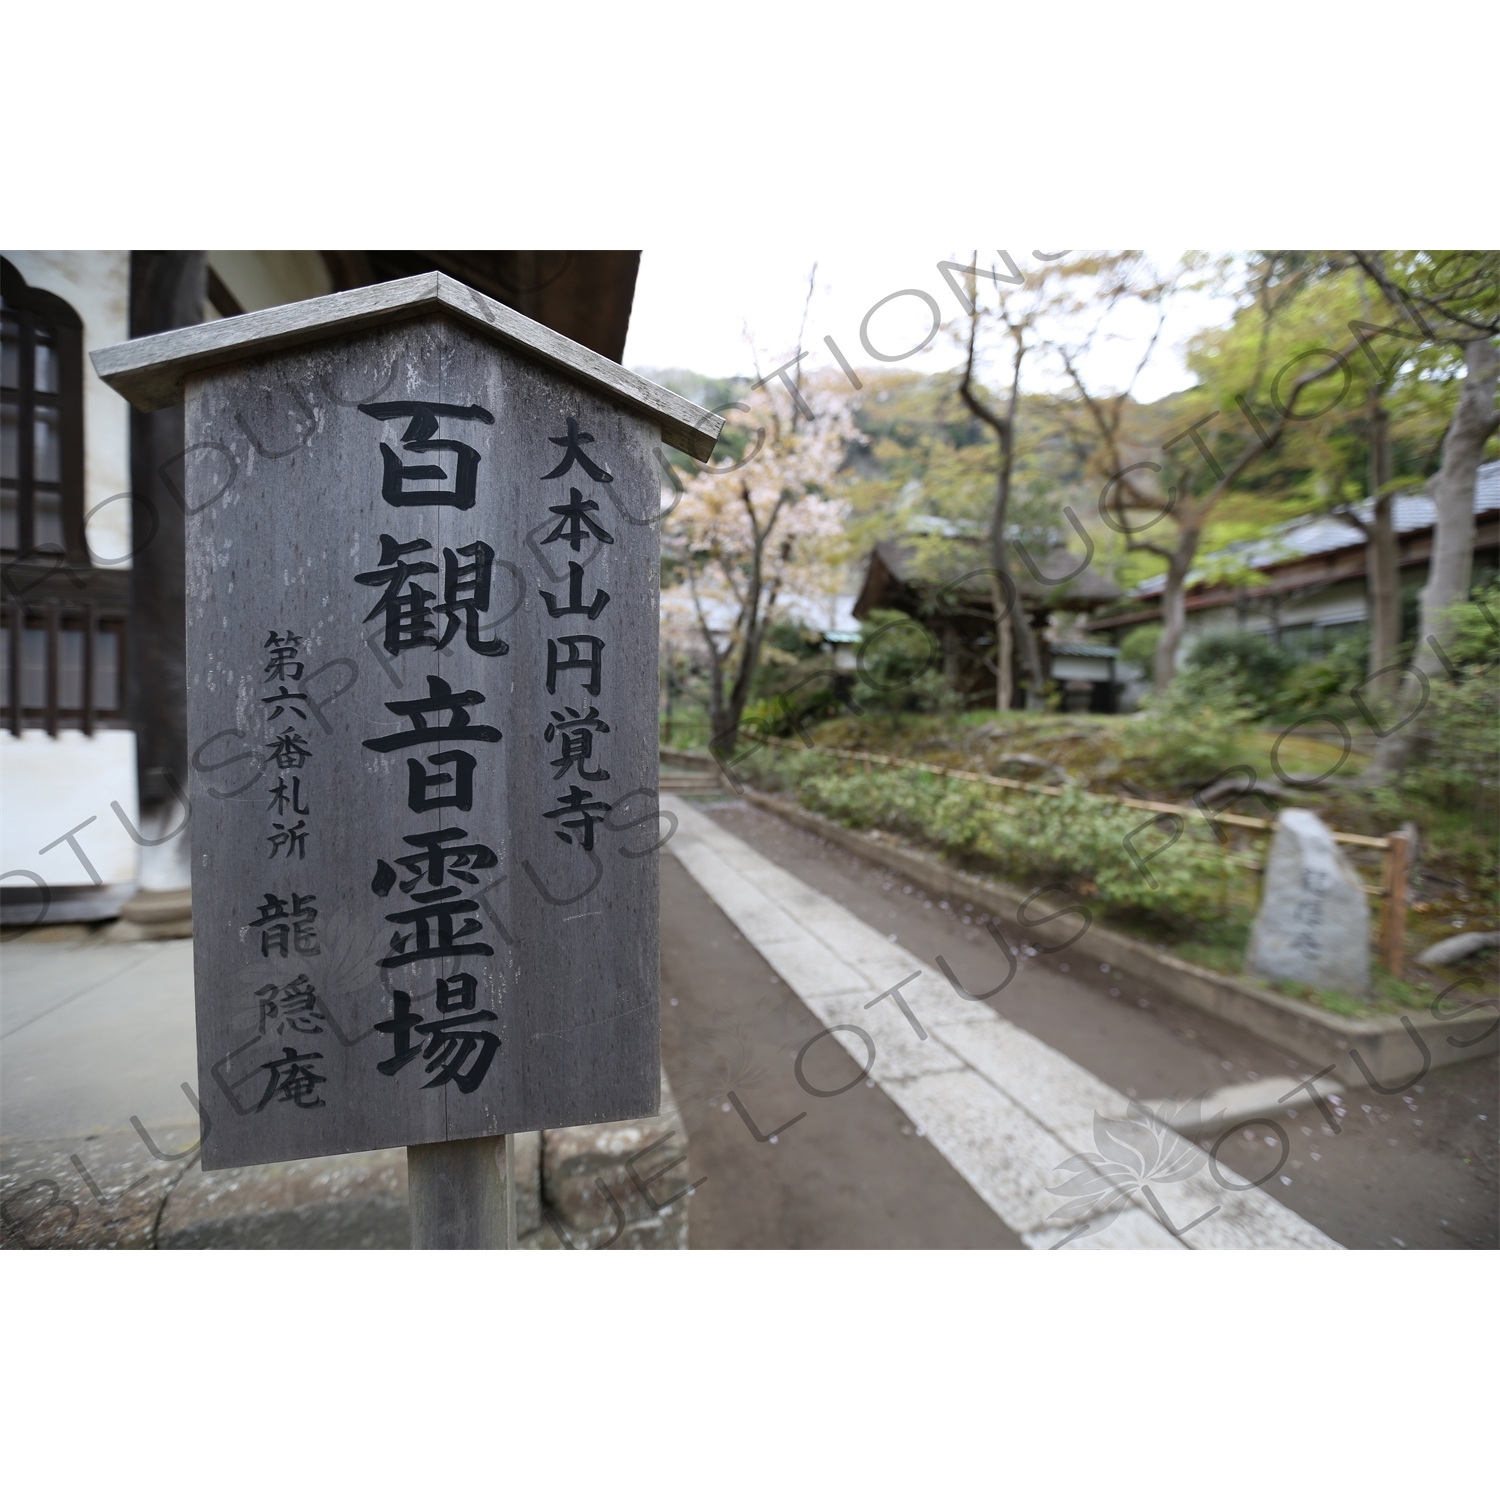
[(153, 915), (689, 781)]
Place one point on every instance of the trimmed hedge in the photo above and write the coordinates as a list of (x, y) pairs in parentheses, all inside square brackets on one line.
[(1026, 838)]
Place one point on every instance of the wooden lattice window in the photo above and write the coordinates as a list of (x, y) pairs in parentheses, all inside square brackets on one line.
[(41, 392), (62, 622)]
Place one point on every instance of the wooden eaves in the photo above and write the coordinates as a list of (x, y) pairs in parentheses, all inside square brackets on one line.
[(149, 372)]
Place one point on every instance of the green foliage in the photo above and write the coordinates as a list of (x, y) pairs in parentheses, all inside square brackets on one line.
[(1458, 290), (1139, 647), (1312, 686), (1037, 839), (787, 655), (1457, 764), (926, 473), (1248, 662), (1307, 308), (1455, 775), (1388, 996), (898, 665), (1244, 653), (794, 711), (1476, 625), (1188, 735), (716, 395)]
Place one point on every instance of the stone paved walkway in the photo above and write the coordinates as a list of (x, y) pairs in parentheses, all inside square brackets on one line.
[(1006, 1110)]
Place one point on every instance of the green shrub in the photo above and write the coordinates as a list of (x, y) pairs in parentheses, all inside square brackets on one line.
[(806, 703), (1250, 662), (1138, 649), (1454, 769), (1476, 641), (899, 664), (1068, 838), (1189, 734), (1313, 685)]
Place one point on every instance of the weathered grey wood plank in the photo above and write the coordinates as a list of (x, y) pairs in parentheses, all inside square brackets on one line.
[(284, 486), (150, 372), (460, 1195)]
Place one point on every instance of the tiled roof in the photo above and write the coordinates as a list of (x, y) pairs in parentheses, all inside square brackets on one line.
[(1082, 648), (1299, 539)]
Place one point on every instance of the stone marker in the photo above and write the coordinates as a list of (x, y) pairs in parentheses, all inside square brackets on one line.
[(422, 571), (1313, 926)]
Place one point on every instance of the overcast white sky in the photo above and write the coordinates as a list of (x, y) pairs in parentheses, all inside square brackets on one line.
[(704, 309)]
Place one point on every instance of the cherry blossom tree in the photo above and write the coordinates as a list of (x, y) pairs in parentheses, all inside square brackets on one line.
[(748, 536)]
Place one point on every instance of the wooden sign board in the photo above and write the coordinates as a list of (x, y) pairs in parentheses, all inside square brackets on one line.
[(422, 577)]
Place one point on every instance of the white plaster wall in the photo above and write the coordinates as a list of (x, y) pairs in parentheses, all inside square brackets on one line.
[(268, 278), (1338, 604), (49, 786), (1080, 669), (96, 284)]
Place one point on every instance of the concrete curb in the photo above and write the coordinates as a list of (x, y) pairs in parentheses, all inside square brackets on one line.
[(1383, 1044)]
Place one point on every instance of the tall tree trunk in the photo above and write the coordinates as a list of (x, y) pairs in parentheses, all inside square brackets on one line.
[(1383, 575), (1013, 625), (1174, 606), (1384, 586), (1004, 427), (1017, 621), (727, 712), (1005, 674), (1451, 569), (716, 715)]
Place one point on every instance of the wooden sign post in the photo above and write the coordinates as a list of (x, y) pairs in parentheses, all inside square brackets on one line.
[(422, 576)]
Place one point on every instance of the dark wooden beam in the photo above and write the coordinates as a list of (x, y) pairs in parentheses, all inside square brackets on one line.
[(584, 294), (167, 290)]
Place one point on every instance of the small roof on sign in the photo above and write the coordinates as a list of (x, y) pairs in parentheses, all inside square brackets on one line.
[(149, 371)]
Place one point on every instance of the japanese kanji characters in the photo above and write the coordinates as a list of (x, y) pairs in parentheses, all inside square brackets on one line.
[(424, 605), (572, 445), (290, 838), (404, 606), (440, 699), (572, 731), (420, 796), (466, 594), (411, 612), (293, 1007), (430, 597), (585, 653), (585, 812), (288, 750), (576, 523), (292, 1081), (284, 797), (439, 861), (421, 437), (575, 604), (283, 668), (450, 1041), (285, 929)]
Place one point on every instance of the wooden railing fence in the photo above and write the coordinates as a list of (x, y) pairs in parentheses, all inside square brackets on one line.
[(1391, 892)]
